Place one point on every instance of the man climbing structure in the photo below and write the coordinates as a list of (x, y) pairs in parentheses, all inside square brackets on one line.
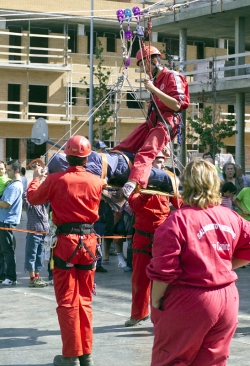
[(169, 97)]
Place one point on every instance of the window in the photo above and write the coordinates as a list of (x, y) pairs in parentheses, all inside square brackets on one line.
[(33, 150), (42, 42), (230, 109), (231, 150), (200, 50), (132, 102), (94, 40), (87, 96), (15, 40), (37, 95), (72, 42), (111, 41), (135, 47), (12, 149), (74, 99), (172, 47), (14, 96)]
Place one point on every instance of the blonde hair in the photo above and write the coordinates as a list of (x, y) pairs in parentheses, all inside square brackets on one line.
[(201, 184)]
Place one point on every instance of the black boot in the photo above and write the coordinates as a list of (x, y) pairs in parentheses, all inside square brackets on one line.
[(86, 360)]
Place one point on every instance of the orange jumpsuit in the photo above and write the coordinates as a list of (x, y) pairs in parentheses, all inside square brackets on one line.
[(74, 196), (150, 212)]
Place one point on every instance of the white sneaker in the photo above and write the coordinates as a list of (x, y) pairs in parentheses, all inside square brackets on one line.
[(8, 282), (122, 263)]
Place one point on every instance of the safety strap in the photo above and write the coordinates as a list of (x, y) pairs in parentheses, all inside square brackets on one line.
[(80, 229), (125, 157), (144, 233), (142, 250), (174, 181), (58, 262), (104, 168)]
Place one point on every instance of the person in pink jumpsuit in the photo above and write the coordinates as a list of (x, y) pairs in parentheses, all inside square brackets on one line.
[(170, 96), (194, 302)]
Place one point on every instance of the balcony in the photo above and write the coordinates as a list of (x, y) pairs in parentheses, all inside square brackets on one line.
[(22, 51)]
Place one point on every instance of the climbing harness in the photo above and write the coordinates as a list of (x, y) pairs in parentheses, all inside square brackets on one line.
[(143, 250)]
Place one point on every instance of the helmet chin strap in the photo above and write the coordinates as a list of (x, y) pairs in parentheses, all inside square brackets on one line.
[(156, 69)]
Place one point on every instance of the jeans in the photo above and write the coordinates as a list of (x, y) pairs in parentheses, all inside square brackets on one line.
[(129, 253), (7, 253), (99, 228), (34, 252)]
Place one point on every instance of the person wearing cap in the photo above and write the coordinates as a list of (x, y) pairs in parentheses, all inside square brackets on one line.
[(101, 147), (150, 211), (74, 196), (169, 96)]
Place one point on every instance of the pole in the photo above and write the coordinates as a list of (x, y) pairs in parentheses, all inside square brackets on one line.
[(91, 86)]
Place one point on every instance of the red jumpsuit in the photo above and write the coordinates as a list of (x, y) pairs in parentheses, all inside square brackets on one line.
[(74, 196), (150, 211), (192, 252), (151, 136)]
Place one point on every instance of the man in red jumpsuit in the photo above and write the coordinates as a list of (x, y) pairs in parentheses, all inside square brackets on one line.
[(150, 211), (194, 298), (169, 97), (74, 196)]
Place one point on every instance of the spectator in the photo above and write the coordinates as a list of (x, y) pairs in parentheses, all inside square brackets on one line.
[(4, 179), (228, 191), (239, 174), (74, 196), (123, 226), (38, 220), (10, 214), (242, 202), (24, 179), (229, 175), (120, 224), (209, 157), (101, 147), (99, 227), (194, 298)]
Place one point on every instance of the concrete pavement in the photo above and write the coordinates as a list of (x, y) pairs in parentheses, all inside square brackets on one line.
[(29, 331)]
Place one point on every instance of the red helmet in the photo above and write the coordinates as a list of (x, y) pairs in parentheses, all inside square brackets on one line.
[(147, 52), (78, 146)]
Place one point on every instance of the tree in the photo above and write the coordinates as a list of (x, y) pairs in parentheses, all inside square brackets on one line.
[(209, 130), (101, 130)]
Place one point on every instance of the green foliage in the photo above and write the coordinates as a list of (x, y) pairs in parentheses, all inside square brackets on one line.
[(101, 129), (209, 130)]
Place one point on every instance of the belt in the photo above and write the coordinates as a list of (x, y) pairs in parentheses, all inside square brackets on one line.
[(144, 233), (65, 265), (75, 228)]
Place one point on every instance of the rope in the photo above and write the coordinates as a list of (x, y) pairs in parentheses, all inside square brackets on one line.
[(116, 88), (44, 233)]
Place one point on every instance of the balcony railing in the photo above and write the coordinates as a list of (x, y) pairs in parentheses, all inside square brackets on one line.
[(227, 67), (22, 53)]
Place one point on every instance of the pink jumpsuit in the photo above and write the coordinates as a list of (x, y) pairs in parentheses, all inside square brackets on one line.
[(74, 196), (150, 137), (192, 252)]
